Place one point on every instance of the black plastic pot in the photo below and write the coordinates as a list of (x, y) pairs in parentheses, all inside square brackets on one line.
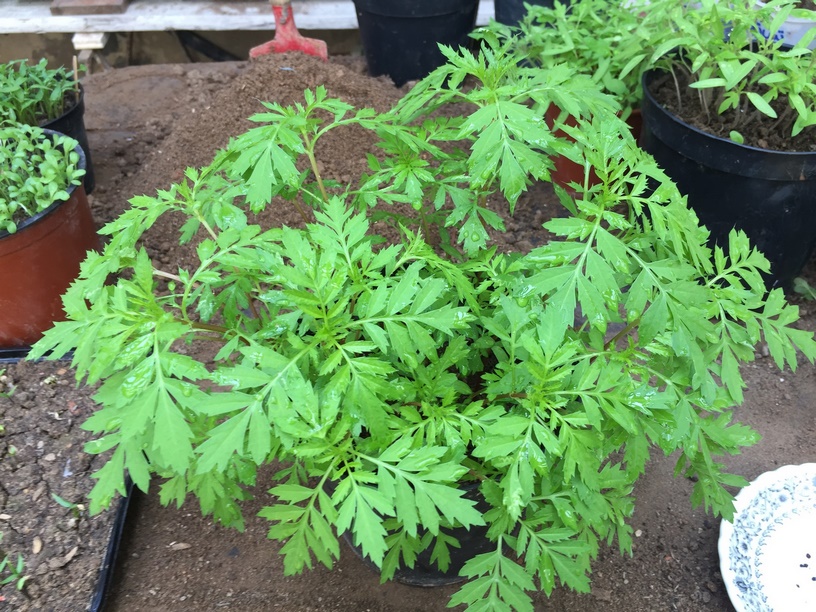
[(770, 195), (72, 123), (511, 12), (400, 37)]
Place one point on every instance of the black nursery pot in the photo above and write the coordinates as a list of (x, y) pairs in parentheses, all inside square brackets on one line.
[(400, 37), (511, 12), (72, 123), (770, 195)]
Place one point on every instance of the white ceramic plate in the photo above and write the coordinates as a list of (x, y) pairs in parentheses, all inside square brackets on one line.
[(768, 553)]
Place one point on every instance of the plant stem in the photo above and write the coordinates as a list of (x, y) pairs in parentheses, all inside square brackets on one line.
[(207, 227), (76, 80), (614, 340), (477, 476), (163, 274), (424, 223), (677, 89), (220, 329), (313, 162), (255, 313), (783, 122)]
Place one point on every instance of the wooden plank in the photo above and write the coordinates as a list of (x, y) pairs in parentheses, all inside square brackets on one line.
[(88, 7), (34, 17)]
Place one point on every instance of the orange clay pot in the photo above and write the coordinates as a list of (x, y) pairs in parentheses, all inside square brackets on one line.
[(567, 171), (38, 263)]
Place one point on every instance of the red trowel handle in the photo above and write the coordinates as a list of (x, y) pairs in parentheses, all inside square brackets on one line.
[(287, 38), (284, 20)]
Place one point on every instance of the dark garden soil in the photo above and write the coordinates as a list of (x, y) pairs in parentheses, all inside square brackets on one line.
[(757, 129), (146, 124)]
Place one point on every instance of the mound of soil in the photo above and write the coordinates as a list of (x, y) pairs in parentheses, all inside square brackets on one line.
[(146, 125)]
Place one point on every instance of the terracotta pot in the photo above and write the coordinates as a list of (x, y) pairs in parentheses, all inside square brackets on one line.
[(567, 171), (38, 263)]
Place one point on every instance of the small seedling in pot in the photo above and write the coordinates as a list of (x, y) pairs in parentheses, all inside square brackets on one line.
[(739, 74), (35, 172), (34, 94), (611, 42)]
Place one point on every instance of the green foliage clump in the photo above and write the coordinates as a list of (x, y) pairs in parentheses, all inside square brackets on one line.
[(37, 169), (33, 93), (612, 42), (731, 53), (380, 377)]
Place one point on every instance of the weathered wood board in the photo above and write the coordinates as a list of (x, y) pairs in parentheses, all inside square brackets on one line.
[(88, 7)]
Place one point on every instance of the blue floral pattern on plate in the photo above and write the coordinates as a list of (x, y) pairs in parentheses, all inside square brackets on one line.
[(768, 552)]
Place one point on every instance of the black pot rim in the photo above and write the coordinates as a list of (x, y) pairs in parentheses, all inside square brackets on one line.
[(26, 223), (413, 9), (712, 149)]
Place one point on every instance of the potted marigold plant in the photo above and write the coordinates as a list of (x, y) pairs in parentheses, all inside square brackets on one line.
[(413, 389), (729, 112), (45, 228), (52, 98)]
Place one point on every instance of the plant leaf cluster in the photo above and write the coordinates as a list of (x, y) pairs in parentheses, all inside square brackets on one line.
[(33, 93), (611, 42), (381, 379), (732, 54), (37, 169)]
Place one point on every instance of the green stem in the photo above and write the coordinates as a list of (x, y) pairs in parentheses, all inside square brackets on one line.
[(167, 275), (313, 163), (676, 88), (220, 329), (424, 223), (614, 340)]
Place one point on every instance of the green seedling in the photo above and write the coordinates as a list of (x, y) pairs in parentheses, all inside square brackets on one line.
[(14, 572), (33, 93), (736, 65), (611, 42), (6, 390), (75, 508), (35, 172), (803, 288)]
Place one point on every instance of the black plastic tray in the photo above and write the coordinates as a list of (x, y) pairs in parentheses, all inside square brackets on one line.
[(106, 571), (13, 355)]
